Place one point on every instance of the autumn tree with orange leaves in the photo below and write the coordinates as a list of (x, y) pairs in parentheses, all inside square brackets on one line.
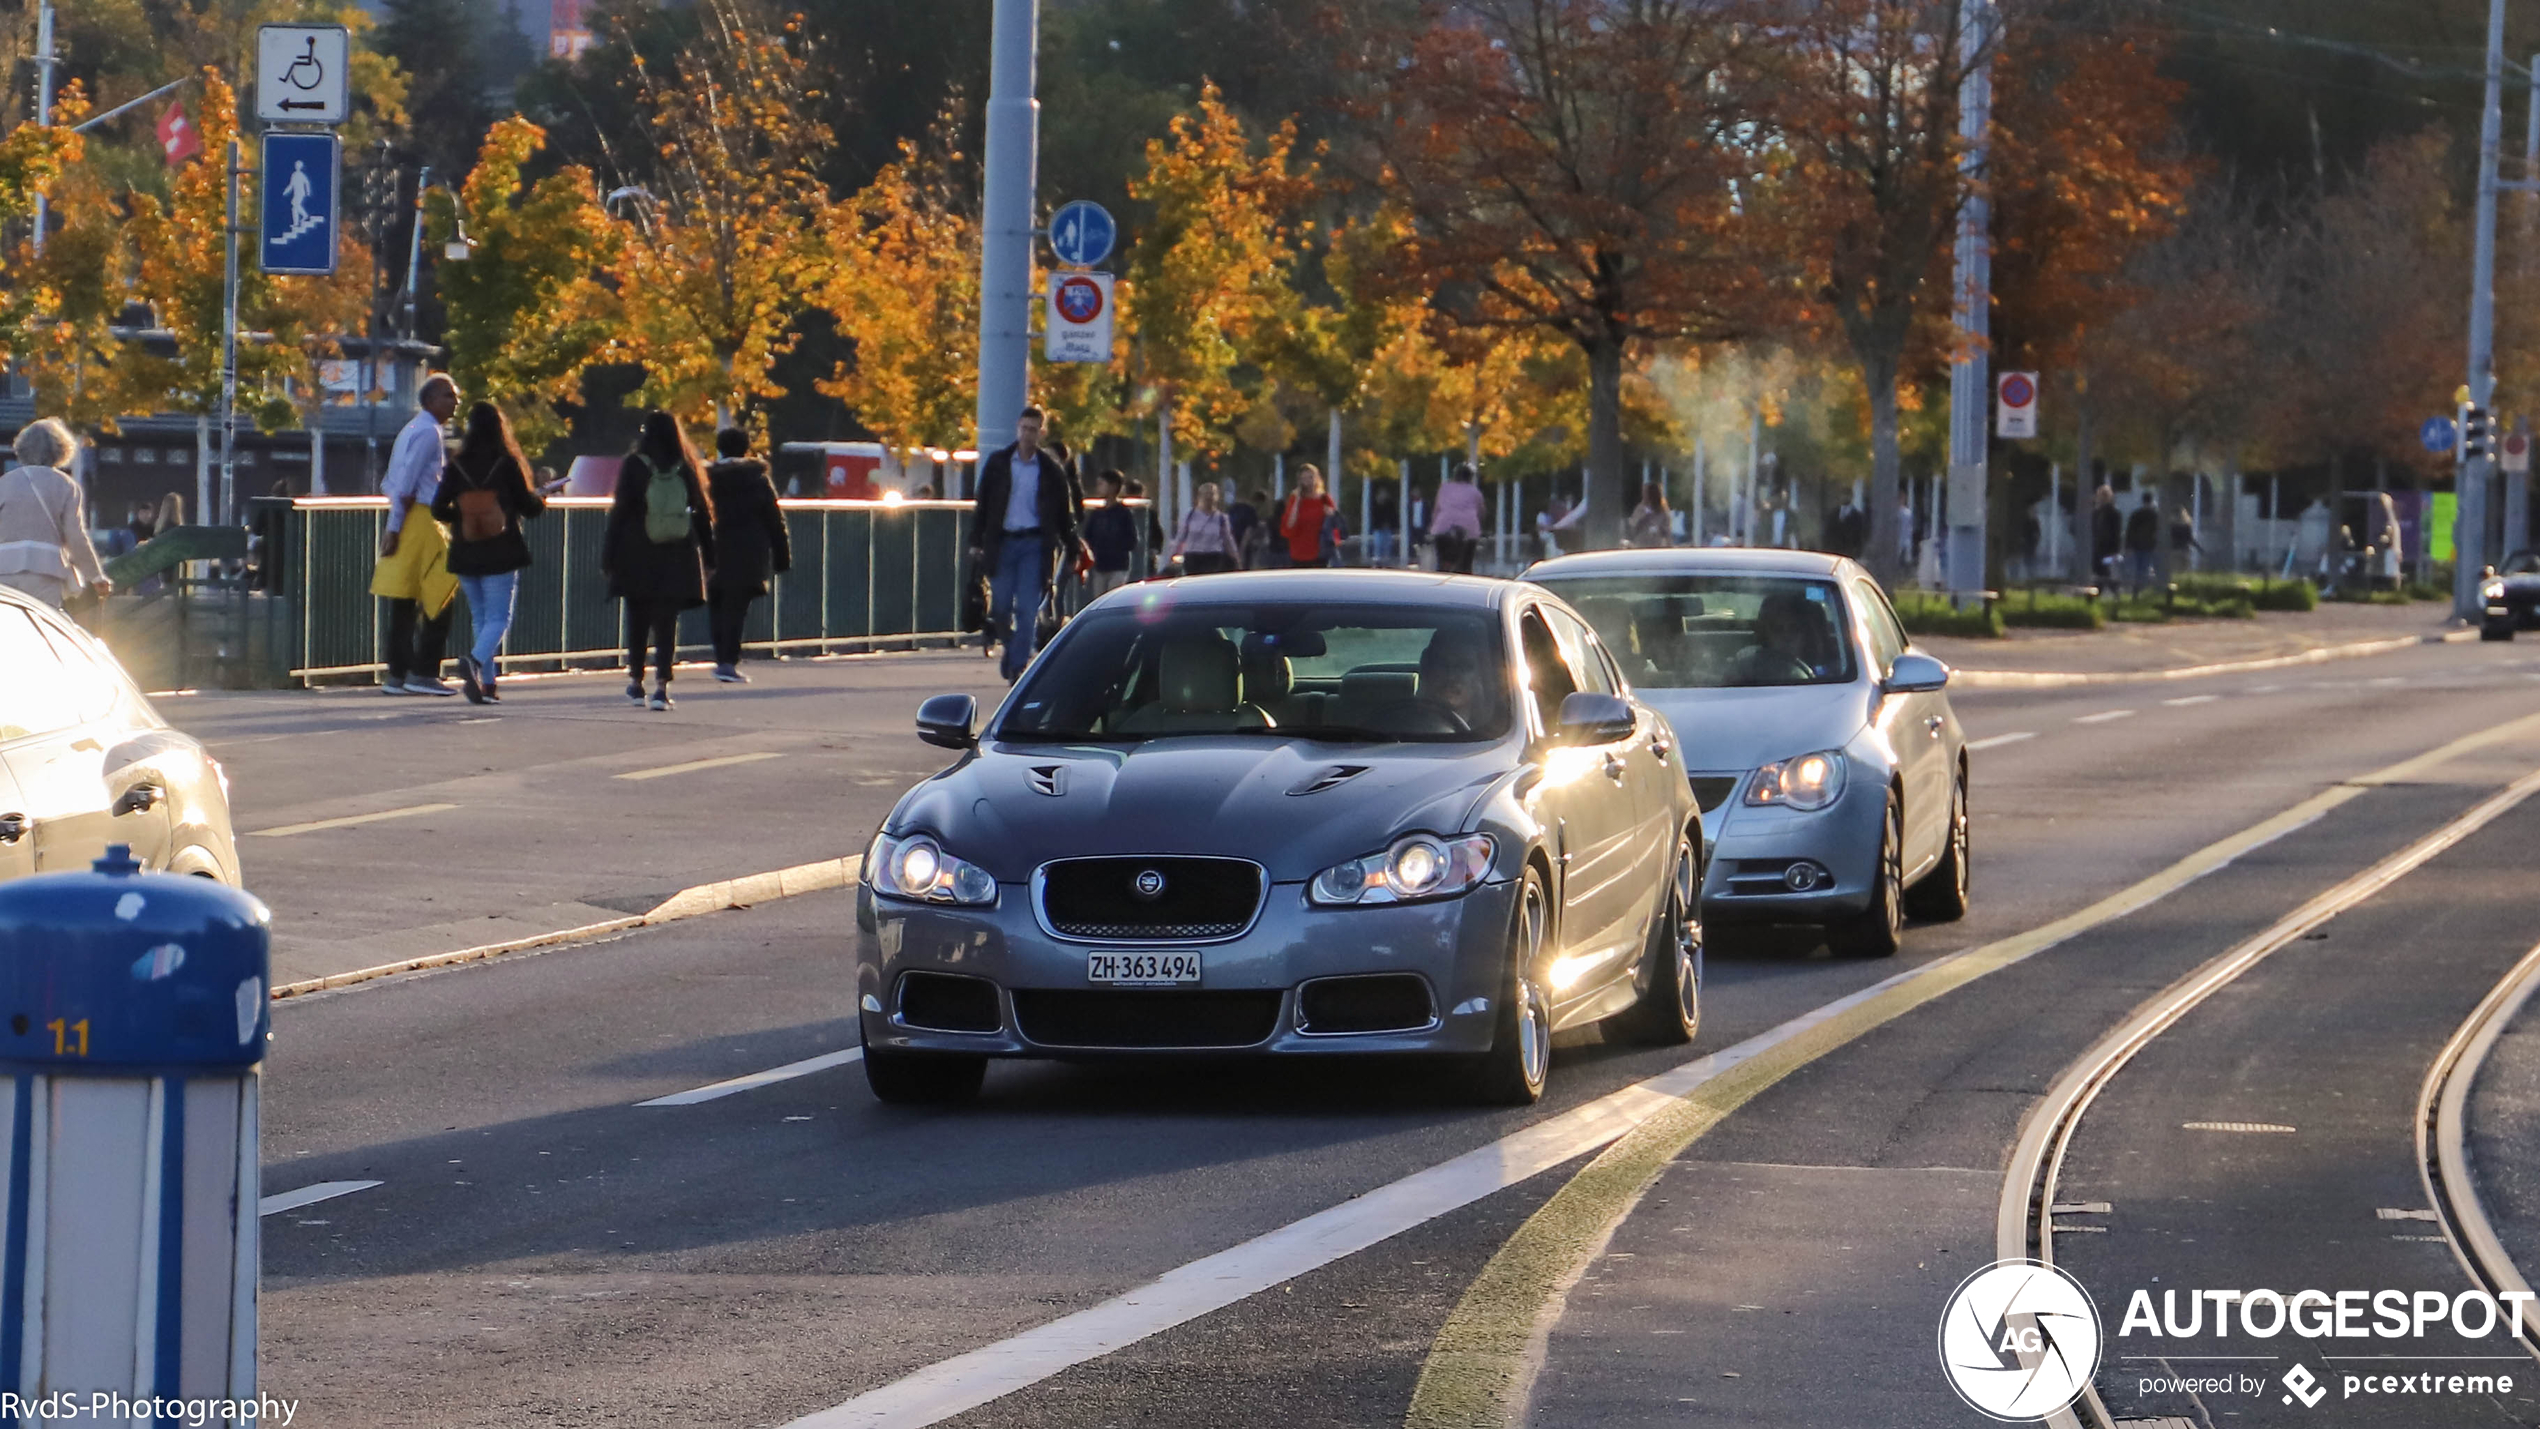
[(902, 278), (1574, 167)]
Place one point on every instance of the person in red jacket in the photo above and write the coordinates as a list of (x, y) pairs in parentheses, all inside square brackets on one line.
[(1309, 521)]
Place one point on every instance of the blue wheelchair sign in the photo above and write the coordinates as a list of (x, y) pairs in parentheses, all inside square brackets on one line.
[(1081, 234), (2438, 434), (299, 209)]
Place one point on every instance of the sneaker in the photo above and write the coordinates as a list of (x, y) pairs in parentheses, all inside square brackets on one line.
[(470, 683), (660, 699), (395, 685), (635, 691), (730, 675), (428, 685), (491, 697)]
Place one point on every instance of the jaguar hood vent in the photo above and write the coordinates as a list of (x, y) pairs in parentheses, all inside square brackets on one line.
[(1329, 778)]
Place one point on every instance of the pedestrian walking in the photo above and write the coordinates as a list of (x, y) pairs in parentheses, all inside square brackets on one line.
[(2107, 535), (1206, 543), (1243, 514), (1111, 533), (2142, 540), (1309, 521), (2184, 546), (45, 550), (1021, 518), (485, 494), (1649, 525), (1455, 526), (413, 574), (660, 531), (751, 545)]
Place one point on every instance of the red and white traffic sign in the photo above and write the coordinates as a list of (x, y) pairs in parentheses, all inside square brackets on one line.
[(2015, 405), (2516, 451), (1079, 324)]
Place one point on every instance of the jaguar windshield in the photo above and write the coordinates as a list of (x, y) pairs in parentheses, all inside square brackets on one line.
[(1354, 673), (1716, 632)]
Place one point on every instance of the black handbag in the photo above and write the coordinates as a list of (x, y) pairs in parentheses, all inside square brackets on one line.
[(974, 599)]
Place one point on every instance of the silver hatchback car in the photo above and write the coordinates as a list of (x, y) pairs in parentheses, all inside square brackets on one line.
[(1830, 768)]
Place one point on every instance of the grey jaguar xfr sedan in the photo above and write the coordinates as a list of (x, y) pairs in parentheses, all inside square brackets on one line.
[(1297, 813)]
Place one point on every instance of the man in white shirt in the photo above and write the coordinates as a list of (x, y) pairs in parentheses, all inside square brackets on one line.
[(417, 637)]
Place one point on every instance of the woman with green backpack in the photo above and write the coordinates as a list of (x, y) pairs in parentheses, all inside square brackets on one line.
[(661, 525)]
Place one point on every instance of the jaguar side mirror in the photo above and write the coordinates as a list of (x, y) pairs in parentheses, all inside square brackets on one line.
[(1591, 718), (1914, 674), (949, 720)]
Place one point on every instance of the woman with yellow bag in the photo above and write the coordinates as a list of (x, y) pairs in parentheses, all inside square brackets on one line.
[(413, 574)]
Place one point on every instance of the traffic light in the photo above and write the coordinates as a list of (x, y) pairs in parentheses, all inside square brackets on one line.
[(2478, 434)]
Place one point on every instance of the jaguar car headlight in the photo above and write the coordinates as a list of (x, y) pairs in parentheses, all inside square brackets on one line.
[(915, 866), (1416, 867), (1807, 783)]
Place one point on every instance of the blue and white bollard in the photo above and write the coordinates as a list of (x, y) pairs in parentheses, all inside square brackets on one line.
[(132, 1024)]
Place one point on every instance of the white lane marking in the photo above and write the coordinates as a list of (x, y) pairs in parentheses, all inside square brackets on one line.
[(2264, 1127), (2191, 700), (696, 764), (756, 1080), (2104, 716), (1998, 740), (1212, 1283), (345, 823), (2404, 1213), (311, 1195)]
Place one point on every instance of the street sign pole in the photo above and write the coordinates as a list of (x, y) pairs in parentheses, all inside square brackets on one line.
[(2470, 553), (1970, 384), (44, 62), (1006, 298), (229, 345)]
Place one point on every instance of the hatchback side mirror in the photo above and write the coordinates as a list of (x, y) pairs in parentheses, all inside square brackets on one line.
[(1914, 674), (1591, 718), (949, 720)]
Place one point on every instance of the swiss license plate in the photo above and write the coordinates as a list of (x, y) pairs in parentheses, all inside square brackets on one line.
[(1147, 969)]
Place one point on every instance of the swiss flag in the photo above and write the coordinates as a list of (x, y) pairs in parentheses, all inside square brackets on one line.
[(176, 135)]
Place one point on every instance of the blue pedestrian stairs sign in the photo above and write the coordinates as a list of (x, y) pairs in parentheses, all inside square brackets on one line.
[(299, 203)]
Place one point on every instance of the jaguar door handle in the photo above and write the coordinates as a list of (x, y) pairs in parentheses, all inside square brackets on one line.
[(140, 799), (1614, 767), (14, 827)]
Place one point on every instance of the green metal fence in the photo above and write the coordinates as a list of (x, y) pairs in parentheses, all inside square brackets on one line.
[(866, 576)]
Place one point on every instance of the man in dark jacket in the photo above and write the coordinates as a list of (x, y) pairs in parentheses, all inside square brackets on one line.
[(750, 546), (1111, 530), (2106, 535), (1023, 515), (2142, 540)]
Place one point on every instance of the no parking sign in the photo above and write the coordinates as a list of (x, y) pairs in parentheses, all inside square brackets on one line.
[(2015, 413), (1079, 326)]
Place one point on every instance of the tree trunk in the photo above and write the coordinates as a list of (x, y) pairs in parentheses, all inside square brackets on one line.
[(1604, 470), (1886, 465)]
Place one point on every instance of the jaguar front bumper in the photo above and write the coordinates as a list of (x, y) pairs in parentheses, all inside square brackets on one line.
[(1035, 988)]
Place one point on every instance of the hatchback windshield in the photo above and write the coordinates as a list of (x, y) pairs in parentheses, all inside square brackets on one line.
[(1283, 670), (1716, 632)]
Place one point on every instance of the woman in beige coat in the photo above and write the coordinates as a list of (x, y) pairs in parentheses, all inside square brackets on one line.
[(44, 545)]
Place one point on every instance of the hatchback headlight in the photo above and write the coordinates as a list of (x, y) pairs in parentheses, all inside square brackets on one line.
[(915, 866), (1416, 867), (1808, 783)]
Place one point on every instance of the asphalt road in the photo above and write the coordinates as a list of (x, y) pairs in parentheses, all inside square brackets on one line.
[(540, 1249)]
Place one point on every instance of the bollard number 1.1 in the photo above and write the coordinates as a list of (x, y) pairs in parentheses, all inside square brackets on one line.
[(70, 1039)]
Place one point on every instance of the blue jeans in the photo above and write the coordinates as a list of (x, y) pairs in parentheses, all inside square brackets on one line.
[(1014, 600), (489, 607)]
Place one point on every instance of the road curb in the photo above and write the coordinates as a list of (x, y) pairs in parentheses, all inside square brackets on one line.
[(742, 892), (2058, 679)]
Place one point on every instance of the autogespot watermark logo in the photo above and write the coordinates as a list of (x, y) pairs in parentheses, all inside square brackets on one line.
[(2019, 1340)]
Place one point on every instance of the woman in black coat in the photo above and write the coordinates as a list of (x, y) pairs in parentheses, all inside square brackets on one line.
[(750, 545), (658, 574), (485, 494)]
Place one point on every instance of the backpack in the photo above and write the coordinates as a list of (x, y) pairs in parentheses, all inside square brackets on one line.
[(480, 512), (666, 507)]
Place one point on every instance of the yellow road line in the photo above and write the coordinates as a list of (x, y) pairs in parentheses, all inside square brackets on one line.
[(1481, 1365), (349, 821), (694, 765)]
